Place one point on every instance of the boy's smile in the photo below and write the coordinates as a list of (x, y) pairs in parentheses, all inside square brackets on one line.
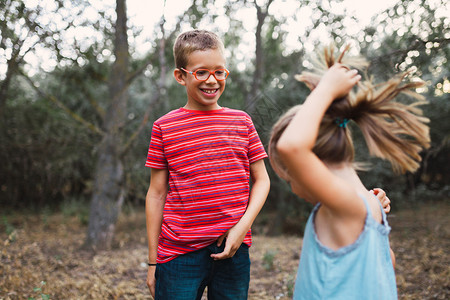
[(210, 91), (202, 95)]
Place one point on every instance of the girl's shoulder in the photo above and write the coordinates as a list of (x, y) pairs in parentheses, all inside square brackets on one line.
[(336, 229)]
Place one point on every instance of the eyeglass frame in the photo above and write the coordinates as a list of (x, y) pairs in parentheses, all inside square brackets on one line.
[(210, 73)]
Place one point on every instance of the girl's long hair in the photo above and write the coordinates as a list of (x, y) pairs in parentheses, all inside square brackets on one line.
[(392, 130)]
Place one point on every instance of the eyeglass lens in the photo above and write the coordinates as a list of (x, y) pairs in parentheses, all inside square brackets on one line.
[(203, 74)]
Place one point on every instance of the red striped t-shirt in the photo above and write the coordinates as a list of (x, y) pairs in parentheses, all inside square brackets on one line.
[(208, 156)]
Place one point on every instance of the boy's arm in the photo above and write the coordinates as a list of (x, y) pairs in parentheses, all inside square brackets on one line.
[(392, 257), (154, 206), (385, 201), (386, 204), (258, 195)]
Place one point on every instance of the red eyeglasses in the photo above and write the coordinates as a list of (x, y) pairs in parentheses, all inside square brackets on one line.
[(204, 74)]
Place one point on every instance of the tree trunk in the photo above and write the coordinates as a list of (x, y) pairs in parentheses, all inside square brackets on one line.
[(251, 98), (256, 83), (109, 183), (11, 69), (276, 225)]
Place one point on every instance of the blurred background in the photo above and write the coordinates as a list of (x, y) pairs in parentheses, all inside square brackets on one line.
[(81, 83)]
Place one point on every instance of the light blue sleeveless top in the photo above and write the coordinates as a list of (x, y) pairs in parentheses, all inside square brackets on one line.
[(362, 270)]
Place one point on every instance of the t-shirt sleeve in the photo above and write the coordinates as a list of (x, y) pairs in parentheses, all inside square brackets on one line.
[(155, 156), (255, 149)]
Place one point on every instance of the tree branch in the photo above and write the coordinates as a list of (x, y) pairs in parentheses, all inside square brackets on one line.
[(417, 44), (161, 85), (144, 122), (61, 105)]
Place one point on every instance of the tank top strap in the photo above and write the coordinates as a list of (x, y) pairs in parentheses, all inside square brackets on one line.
[(369, 211)]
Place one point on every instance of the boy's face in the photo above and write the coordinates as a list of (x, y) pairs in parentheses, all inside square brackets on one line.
[(202, 95)]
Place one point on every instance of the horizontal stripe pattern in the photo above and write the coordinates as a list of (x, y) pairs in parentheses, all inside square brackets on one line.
[(208, 155)]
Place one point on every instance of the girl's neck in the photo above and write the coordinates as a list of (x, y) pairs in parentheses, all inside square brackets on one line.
[(349, 174)]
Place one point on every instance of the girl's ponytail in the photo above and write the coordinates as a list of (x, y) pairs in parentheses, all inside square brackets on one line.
[(392, 130)]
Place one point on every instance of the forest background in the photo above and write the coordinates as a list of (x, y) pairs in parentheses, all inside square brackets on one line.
[(78, 96)]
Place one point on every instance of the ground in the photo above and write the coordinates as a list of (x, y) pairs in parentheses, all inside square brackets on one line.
[(40, 258)]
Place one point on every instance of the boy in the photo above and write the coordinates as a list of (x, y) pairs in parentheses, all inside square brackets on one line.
[(199, 206)]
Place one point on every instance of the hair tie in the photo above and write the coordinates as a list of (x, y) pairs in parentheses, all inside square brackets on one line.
[(342, 123)]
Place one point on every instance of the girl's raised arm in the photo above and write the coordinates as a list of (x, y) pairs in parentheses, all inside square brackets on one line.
[(295, 146)]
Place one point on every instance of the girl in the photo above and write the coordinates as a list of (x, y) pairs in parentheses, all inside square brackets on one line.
[(345, 252)]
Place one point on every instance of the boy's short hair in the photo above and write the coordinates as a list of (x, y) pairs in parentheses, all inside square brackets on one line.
[(194, 40)]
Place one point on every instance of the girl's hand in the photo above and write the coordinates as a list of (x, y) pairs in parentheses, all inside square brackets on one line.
[(339, 80)]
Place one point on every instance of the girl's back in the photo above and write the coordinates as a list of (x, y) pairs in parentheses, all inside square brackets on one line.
[(360, 270)]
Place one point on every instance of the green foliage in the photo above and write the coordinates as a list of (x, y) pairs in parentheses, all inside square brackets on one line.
[(38, 290), (45, 154), (268, 260), (412, 36), (290, 286), (75, 207), (10, 230)]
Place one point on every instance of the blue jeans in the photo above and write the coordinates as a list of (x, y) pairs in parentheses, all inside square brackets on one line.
[(185, 277)]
